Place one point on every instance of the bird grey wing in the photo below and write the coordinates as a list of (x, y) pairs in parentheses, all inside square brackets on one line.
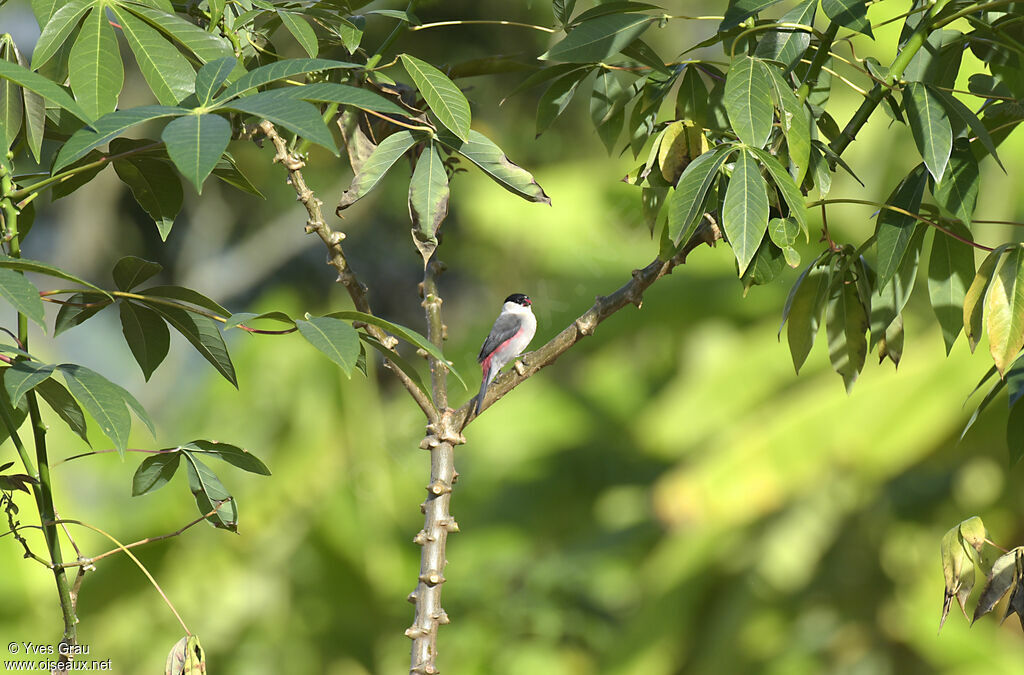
[(506, 326)]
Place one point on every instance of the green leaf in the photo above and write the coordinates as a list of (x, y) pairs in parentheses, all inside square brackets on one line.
[(398, 362), (231, 454), (1005, 309), (106, 128), (930, 126), (1015, 433), (555, 99), (692, 98), (146, 334), (12, 109), (295, 115), (351, 32), (612, 7), (850, 14), (95, 71), (64, 404), (894, 229), (168, 73), (958, 191), (442, 96), (955, 108), (541, 76), (156, 188), (130, 271), (745, 210), (44, 87), (343, 94), (597, 39), (686, 203), (154, 472), (202, 332), (950, 271), (787, 45), (57, 29), (765, 266), (562, 9), (377, 164), (974, 300), (186, 295), (1001, 578), (748, 101), (210, 493), (227, 170), (278, 71), (641, 52), (22, 295), (846, 325), (403, 333), (893, 296), (23, 376), (301, 31), (794, 124), (206, 46), (27, 265), (740, 10), (211, 76), (784, 232), (808, 300), (337, 339), (102, 399), (74, 311), (938, 60), (195, 143), (428, 199), (245, 317), (483, 152), (784, 182)]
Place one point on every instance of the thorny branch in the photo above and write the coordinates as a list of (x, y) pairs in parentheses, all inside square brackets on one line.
[(336, 257)]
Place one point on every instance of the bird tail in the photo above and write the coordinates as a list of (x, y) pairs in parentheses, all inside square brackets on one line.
[(480, 396)]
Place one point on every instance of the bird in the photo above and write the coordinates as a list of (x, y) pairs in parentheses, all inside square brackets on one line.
[(512, 332)]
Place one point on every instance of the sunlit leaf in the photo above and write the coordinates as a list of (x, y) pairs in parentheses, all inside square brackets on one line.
[(443, 97), (95, 72), (930, 127), (23, 376), (950, 272), (850, 14), (167, 71), (335, 338), (787, 45), (65, 405), (686, 204), (1004, 308), (21, 294), (389, 151), (745, 210), (597, 39), (483, 152), (748, 100), (428, 199)]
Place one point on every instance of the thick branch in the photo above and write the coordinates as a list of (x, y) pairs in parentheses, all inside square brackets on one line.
[(437, 523), (586, 324), (336, 257)]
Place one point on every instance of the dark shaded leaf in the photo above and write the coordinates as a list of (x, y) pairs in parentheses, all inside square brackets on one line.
[(21, 294), (210, 493), (686, 204), (154, 472), (428, 199), (77, 308), (846, 324), (65, 405), (950, 272), (894, 229), (186, 295), (231, 454), (379, 163), (147, 336), (202, 332), (156, 188), (130, 271), (597, 39), (850, 14)]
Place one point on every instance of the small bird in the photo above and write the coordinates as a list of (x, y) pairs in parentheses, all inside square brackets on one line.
[(512, 331)]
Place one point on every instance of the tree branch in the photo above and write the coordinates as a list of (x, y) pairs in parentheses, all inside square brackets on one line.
[(336, 258), (603, 307)]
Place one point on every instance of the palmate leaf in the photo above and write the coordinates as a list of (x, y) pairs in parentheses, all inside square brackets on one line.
[(43, 87), (26, 265), (146, 334), (745, 210), (295, 115), (930, 127), (65, 405), (958, 191), (23, 376), (389, 151), (1004, 308), (210, 493), (894, 229), (108, 127), (748, 100), (950, 272), (343, 94), (740, 10), (556, 98), (195, 144), (232, 454), (168, 73), (57, 29), (787, 45), (335, 338), (95, 70), (794, 123), (186, 295), (301, 31), (784, 182), (596, 39), (203, 334), (428, 199), (851, 14), (403, 333), (22, 295), (443, 97), (130, 271), (211, 76), (156, 188), (154, 472), (105, 401), (487, 156), (279, 70), (205, 45), (612, 7), (686, 204)]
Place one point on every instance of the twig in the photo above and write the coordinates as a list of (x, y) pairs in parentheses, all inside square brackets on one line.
[(86, 562), (586, 324), (336, 256)]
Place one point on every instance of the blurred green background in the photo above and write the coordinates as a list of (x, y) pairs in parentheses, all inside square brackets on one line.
[(669, 497)]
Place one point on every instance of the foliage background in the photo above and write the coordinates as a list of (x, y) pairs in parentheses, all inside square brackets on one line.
[(668, 498)]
